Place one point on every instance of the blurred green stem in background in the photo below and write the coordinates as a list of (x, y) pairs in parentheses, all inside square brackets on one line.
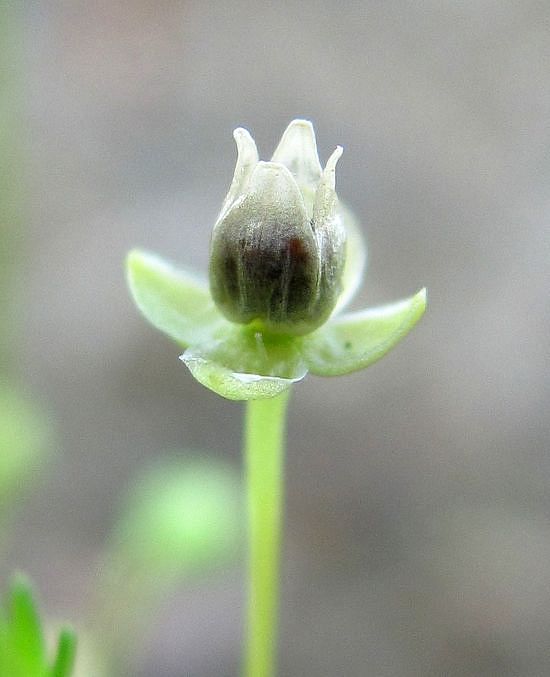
[(11, 183), (265, 441), (24, 431), (180, 519)]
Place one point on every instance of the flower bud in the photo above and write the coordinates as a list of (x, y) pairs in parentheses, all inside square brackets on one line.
[(278, 246)]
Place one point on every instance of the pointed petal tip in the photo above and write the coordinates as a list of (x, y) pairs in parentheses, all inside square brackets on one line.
[(329, 172), (337, 153), (247, 158), (333, 159), (301, 122), (135, 259), (242, 135), (246, 149), (297, 150), (240, 131), (302, 130), (421, 297)]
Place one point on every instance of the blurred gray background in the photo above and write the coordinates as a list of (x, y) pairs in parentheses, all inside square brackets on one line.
[(418, 510)]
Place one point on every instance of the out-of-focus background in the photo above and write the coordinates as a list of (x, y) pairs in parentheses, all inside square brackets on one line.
[(418, 502)]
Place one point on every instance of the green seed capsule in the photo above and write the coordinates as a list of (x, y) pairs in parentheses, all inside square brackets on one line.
[(278, 247)]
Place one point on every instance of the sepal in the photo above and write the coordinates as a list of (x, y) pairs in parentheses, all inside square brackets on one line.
[(174, 300), (353, 341), (241, 364)]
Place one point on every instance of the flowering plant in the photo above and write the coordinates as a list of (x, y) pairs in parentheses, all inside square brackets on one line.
[(286, 258)]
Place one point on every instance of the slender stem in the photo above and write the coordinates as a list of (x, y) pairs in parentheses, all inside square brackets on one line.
[(265, 443)]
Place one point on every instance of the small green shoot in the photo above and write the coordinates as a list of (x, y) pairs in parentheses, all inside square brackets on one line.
[(22, 643)]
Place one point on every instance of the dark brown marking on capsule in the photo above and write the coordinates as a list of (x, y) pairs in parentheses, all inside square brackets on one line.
[(230, 275), (296, 249)]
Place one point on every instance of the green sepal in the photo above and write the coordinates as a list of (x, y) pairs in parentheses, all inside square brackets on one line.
[(353, 341), (174, 300), (241, 364)]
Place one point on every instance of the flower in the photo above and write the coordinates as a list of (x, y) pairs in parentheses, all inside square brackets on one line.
[(286, 258), (278, 246)]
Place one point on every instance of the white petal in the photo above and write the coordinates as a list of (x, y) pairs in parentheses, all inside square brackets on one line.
[(247, 159), (325, 202), (272, 189), (356, 257), (297, 150), (329, 173)]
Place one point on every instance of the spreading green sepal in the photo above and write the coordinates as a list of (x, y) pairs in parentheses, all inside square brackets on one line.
[(174, 300), (243, 364), (355, 340)]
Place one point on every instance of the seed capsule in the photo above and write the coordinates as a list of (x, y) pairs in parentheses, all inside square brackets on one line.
[(278, 246)]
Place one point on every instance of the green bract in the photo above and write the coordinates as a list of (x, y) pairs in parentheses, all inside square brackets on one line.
[(256, 332)]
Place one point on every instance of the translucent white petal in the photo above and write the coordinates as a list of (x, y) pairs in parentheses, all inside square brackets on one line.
[(325, 202), (329, 173), (297, 150), (235, 385), (356, 257), (247, 159)]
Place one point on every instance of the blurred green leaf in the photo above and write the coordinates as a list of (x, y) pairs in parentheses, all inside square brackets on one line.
[(25, 630), (12, 189), (22, 646), (24, 441), (66, 653), (180, 516)]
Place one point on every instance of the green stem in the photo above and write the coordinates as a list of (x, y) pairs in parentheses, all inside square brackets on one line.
[(265, 442)]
